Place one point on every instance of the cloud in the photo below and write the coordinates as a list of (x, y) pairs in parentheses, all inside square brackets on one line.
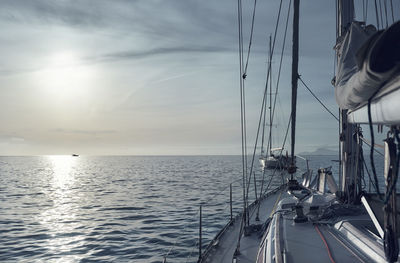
[(119, 30), (77, 14), (183, 69), (133, 54), (127, 55), (157, 16), (84, 132), (12, 138)]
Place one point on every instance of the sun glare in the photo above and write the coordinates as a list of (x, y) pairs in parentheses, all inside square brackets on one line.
[(65, 78), (62, 165), (63, 59), (60, 218)]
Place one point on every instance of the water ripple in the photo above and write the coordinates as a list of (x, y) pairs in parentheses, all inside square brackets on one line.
[(112, 209)]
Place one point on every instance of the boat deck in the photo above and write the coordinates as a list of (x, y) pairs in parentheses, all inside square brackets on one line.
[(345, 234), (222, 250), (335, 233)]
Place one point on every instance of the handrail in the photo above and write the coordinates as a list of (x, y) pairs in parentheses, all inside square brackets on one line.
[(223, 230), (232, 219), (202, 203)]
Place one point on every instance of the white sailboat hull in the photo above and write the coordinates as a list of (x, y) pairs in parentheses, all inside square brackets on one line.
[(272, 162)]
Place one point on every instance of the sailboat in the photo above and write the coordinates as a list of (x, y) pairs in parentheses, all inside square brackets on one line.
[(271, 158), (274, 160), (318, 219)]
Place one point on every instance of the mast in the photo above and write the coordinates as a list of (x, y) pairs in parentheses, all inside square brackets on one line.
[(348, 146), (263, 131), (265, 106), (270, 96), (295, 76)]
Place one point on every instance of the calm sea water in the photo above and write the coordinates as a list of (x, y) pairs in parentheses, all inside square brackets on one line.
[(120, 209)]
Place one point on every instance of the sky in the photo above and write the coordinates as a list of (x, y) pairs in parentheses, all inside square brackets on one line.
[(154, 77)]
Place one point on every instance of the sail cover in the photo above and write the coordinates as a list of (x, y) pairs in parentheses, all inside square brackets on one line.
[(367, 60)]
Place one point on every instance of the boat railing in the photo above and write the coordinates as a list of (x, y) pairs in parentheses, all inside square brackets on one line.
[(200, 215), (230, 212), (215, 240)]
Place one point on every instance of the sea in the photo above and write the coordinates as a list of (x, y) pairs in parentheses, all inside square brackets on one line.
[(121, 208)]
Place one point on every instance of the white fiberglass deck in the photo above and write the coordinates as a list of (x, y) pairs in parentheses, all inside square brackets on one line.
[(342, 233), (223, 249)]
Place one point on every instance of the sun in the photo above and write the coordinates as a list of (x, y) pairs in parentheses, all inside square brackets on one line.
[(63, 59), (65, 77)]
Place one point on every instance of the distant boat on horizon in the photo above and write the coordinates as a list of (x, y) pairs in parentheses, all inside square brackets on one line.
[(75, 155)]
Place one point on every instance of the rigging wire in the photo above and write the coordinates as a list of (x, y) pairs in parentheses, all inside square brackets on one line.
[(273, 112), (244, 100), (244, 158), (371, 154), (386, 15), (357, 180), (265, 106), (380, 11), (251, 38), (391, 5), (241, 81), (363, 9), (376, 145), (312, 93), (377, 15), (264, 98), (263, 131), (244, 106), (362, 172), (334, 77), (280, 154), (369, 174), (281, 60), (337, 14)]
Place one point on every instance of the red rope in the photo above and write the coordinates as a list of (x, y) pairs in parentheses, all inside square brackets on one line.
[(326, 244)]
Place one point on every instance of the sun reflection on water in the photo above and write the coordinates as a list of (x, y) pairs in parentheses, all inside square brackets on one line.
[(62, 166), (60, 218)]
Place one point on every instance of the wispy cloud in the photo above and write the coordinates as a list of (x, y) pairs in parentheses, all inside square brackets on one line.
[(84, 132), (136, 54), (11, 138), (77, 14), (178, 70), (125, 55)]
